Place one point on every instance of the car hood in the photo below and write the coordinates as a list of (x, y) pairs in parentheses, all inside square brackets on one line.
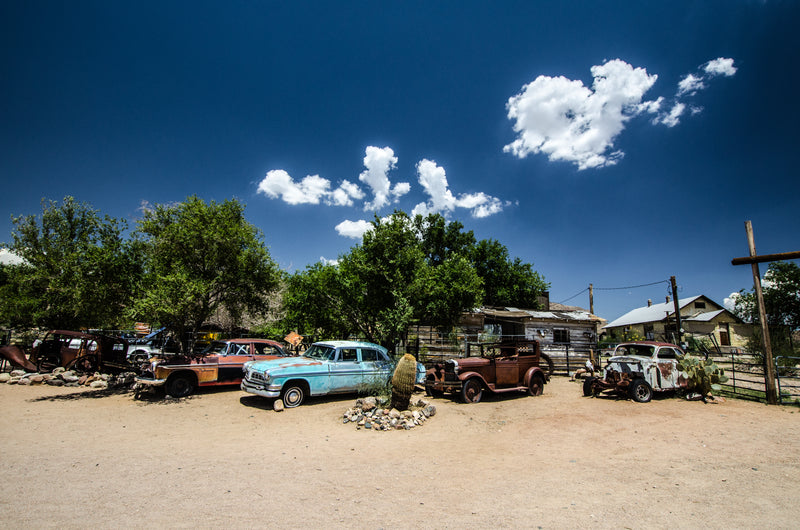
[(629, 359), (282, 364)]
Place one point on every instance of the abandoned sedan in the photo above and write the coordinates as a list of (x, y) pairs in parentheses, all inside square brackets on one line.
[(329, 367), (502, 367), (219, 364), (637, 369)]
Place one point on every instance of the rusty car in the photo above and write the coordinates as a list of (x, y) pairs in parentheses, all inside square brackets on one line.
[(637, 369), (81, 351), (509, 366), (327, 367), (219, 364)]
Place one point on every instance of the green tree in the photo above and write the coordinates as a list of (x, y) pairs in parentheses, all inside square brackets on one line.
[(200, 258), (78, 270), (781, 289), (506, 282)]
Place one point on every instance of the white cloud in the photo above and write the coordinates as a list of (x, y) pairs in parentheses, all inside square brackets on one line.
[(326, 261), (671, 119), (379, 161), (730, 301), (353, 229), (720, 66), (9, 258), (434, 181), (690, 85), (278, 183), (567, 121), (345, 193)]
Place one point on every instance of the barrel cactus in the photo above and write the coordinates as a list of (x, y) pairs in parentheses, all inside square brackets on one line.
[(403, 382)]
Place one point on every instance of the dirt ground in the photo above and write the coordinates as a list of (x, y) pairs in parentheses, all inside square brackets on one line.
[(81, 458)]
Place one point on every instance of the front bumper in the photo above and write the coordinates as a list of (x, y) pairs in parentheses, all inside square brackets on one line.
[(260, 389), (443, 386), (149, 381)]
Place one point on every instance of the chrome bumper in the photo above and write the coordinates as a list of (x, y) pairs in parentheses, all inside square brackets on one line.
[(150, 382), (260, 390)]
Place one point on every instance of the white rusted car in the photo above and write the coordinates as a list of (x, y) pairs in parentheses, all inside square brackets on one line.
[(638, 369)]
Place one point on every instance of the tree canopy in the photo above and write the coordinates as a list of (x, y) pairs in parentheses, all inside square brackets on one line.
[(422, 269), (78, 269), (200, 258)]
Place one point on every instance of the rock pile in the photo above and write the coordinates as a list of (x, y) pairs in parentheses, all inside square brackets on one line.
[(69, 378), (368, 413)]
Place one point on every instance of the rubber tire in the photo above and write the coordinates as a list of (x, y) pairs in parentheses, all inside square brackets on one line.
[(85, 364), (536, 385), (433, 393), (587, 386), (472, 390), (293, 396), (640, 391), (550, 368), (179, 386)]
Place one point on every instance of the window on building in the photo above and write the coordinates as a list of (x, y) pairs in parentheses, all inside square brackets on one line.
[(561, 336), (699, 305)]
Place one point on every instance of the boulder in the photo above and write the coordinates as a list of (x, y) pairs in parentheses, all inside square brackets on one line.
[(5, 377), (277, 405)]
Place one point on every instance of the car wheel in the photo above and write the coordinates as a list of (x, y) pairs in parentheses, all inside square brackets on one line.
[(85, 364), (536, 386), (472, 391), (180, 386), (640, 391), (549, 367), (587, 386), (293, 396)]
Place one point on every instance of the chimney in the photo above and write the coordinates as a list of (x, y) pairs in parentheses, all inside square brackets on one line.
[(649, 302), (667, 298)]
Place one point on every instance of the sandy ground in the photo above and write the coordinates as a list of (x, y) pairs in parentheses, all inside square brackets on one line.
[(225, 459)]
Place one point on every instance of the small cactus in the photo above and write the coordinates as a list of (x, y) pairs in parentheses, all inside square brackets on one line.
[(403, 382), (702, 375)]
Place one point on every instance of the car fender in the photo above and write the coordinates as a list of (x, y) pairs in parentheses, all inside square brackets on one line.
[(533, 371), (467, 375)]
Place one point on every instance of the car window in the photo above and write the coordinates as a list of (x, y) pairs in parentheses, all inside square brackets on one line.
[(239, 349), (316, 351), (348, 354), (369, 355), (266, 349), (667, 353)]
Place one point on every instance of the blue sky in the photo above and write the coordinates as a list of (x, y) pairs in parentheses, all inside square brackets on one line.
[(611, 143)]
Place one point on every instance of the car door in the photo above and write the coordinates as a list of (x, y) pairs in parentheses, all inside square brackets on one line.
[(345, 370), (231, 361), (667, 363), (376, 368)]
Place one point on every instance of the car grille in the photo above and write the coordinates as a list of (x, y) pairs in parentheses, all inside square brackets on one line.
[(255, 376)]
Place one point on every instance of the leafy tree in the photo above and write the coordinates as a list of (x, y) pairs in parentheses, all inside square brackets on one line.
[(200, 258), (78, 270), (781, 289), (506, 282)]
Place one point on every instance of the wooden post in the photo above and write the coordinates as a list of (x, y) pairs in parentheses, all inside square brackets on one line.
[(678, 322), (769, 365), (591, 299)]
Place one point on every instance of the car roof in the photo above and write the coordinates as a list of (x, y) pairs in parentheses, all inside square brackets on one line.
[(349, 344), (647, 343), (247, 341)]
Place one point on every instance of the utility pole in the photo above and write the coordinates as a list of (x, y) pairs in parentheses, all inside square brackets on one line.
[(677, 309), (591, 299), (769, 365)]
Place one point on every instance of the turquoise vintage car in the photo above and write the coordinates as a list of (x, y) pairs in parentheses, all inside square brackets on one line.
[(328, 367)]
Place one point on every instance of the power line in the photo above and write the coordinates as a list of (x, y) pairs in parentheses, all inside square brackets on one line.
[(630, 287), (612, 289)]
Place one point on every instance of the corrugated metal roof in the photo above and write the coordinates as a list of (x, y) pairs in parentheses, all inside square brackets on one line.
[(705, 317), (654, 313), (513, 312)]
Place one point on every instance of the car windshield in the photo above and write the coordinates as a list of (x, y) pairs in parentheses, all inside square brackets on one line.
[(635, 349), (215, 347), (316, 351)]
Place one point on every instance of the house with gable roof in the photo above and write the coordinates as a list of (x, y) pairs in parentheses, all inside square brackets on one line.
[(701, 317)]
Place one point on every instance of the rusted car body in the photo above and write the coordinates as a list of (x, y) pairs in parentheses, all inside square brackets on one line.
[(76, 350), (639, 368), (16, 356), (510, 366), (219, 364)]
